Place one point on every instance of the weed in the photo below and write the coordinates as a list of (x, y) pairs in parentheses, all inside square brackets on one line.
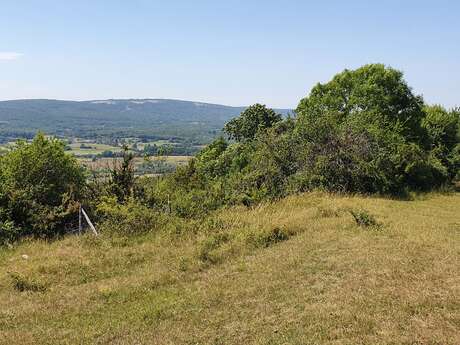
[(209, 244), (270, 237), (22, 283), (364, 219), (323, 212), (183, 264)]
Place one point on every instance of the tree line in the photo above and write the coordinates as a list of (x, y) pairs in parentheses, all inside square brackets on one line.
[(365, 131)]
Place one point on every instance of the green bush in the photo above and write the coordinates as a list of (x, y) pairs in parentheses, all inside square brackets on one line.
[(130, 218), (40, 186), (251, 122), (443, 128), (363, 132), (8, 232)]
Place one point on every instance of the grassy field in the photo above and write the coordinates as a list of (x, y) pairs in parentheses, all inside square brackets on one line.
[(93, 148), (108, 163), (299, 271)]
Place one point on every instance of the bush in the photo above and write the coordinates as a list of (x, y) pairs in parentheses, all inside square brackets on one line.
[(40, 186), (251, 122), (8, 232), (443, 128), (130, 218)]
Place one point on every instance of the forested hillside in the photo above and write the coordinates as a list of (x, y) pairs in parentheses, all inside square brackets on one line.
[(148, 118)]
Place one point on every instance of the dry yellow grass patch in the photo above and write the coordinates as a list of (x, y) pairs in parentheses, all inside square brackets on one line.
[(298, 271)]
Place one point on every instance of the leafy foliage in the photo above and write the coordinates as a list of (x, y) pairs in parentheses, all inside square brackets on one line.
[(373, 96), (251, 121), (39, 188), (122, 175), (362, 132), (443, 129), (130, 218)]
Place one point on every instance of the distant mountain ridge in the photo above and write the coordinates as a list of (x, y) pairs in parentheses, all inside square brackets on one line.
[(115, 117)]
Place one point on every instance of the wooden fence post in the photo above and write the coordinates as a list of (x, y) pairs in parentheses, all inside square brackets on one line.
[(89, 221)]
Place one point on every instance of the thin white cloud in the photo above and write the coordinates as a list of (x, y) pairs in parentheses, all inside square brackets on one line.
[(10, 56)]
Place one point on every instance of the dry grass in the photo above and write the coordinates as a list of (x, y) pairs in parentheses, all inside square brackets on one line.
[(299, 271)]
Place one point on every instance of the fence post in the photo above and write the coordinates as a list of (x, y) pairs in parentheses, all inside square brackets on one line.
[(89, 222)]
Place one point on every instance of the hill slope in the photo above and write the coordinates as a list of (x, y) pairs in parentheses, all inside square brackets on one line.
[(132, 117), (330, 282)]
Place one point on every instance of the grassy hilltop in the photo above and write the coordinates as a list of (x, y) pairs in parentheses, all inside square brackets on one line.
[(297, 271)]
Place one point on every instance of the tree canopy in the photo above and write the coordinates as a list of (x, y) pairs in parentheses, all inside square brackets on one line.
[(254, 119), (374, 95)]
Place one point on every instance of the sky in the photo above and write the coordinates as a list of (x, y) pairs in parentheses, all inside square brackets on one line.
[(227, 52)]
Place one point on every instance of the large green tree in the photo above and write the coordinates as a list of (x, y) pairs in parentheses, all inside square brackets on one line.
[(373, 95), (254, 119), (363, 132)]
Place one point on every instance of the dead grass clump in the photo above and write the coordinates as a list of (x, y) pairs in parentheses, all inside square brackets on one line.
[(269, 237), (209, 245), (364, 219), (22, 283), (325, 212)]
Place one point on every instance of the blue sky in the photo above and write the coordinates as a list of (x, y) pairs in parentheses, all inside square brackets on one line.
[(229, 52)]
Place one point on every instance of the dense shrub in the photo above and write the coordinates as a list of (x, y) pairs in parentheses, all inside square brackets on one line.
[(40, 186), (122, 176), (443, 128), (373, 96), (130, 218)]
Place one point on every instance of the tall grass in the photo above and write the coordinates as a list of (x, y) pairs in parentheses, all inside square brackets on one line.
[(297, 271)]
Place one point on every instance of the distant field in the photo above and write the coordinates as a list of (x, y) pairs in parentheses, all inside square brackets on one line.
[(94, 149), (88, 148), (76, 149), (103, 163), (298, 271), (89, 156)]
